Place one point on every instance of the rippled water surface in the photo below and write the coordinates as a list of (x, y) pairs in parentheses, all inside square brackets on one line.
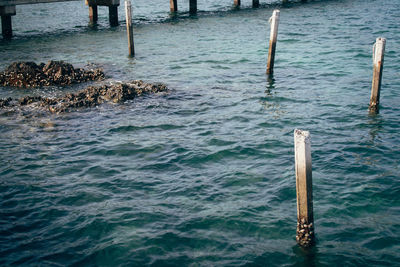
[(204, 175)]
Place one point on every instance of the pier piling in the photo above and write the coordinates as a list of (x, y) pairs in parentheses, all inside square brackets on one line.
[(378, 56), (129, 30), (256, 3), (305, 215), (6, 23), (173, 5), (113, 15), (193, 6), (93, 15), (274, 20)]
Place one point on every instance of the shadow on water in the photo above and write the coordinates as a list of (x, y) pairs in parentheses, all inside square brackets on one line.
[(270, 102), (270, 85), (305, 256)]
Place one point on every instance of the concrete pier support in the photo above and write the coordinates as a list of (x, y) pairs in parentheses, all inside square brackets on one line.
[(112, 10), (193, 6), (6, 24)]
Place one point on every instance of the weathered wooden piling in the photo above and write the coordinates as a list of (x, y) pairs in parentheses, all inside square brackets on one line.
[(129, 30), (6, 23), (305, 215), (378, 56), (256, 3), (236, 3), (274, 20), (193, 6), (112, 10), (113, 15), (93, 15), (173, 4)]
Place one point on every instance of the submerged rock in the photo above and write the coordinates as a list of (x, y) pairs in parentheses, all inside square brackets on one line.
[(91, 96), (5, 102), (59, 73)]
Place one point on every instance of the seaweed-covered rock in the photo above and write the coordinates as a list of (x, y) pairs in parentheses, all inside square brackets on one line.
[(91, 96), (5, 102), (59, 73)]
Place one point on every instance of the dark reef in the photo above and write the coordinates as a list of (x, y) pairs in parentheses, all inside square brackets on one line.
[(58, 73)]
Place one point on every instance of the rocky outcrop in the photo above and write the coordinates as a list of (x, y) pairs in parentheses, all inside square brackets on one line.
[(58, 73), (89, 97)]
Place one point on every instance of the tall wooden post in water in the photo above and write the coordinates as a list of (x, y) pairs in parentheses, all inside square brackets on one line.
[(378, 56), (274, 20), (129, 30), (6, 24), (173, 4), (305, 214)]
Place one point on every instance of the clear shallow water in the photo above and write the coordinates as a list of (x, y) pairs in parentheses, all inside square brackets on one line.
[(205, 174)]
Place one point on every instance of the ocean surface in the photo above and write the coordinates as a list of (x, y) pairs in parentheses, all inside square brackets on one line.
[(204, 175)]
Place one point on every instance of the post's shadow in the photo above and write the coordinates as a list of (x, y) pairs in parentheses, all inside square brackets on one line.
[(306, 257)]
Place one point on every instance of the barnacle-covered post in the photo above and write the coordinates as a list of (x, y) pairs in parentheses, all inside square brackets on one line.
[(305, 216)]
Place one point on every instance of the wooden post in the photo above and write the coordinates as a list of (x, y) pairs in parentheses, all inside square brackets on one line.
[(274, 20), (173, 5), (6, 27), (305, 216), (256, 3), (236, 3), (378, 56), (93, 16), (128, 13), (113, 15), (193, 6)]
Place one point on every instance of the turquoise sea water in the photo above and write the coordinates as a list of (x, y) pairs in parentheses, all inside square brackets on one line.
[(204, 175)]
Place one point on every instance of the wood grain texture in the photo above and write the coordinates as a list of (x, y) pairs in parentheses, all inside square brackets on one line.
[(303, 176)]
